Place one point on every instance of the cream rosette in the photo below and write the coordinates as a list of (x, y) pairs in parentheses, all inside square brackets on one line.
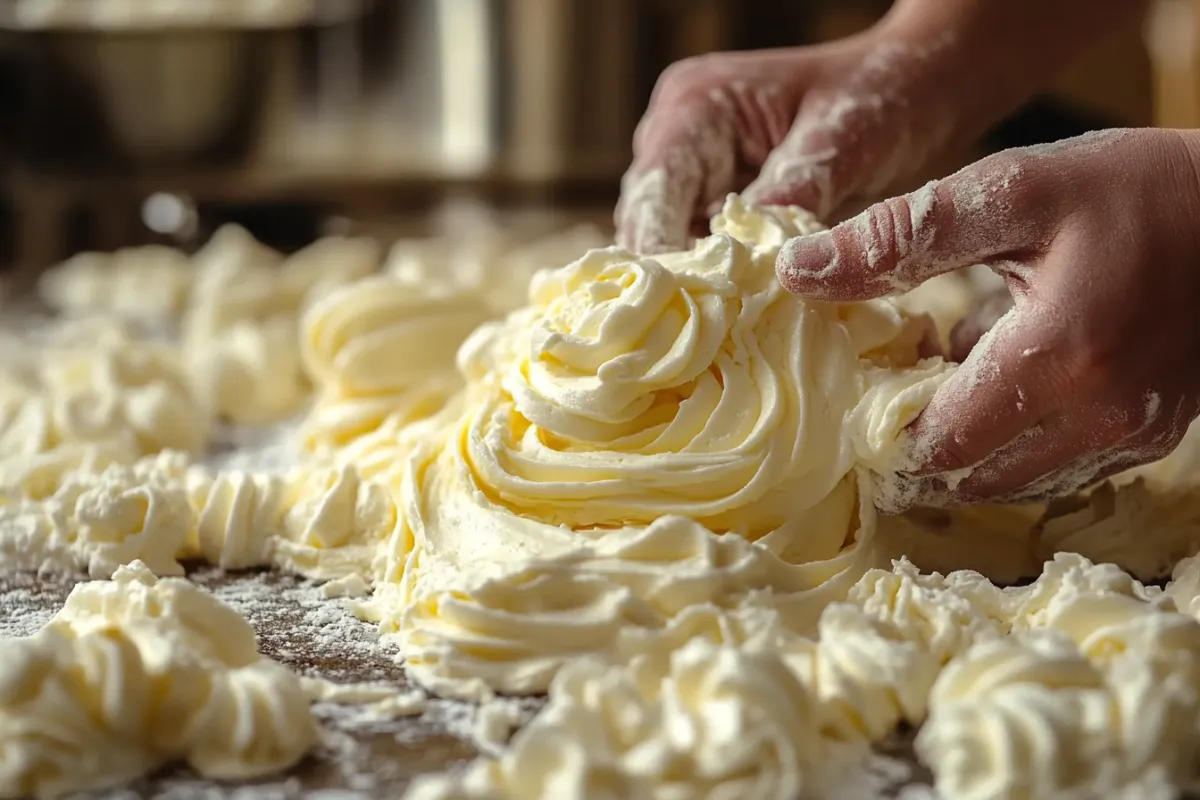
[(37, 477), (26, 425), (1068, 576), (251, 373), (612, 432), (96, 522), (650, 387), (115, 518), (64, 701), (325, 265), (868, 675), (943, 614), (381, 347), (708, 721), (1030, 716), (123, 387)]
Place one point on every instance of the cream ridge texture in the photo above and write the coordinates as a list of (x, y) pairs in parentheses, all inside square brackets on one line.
[(648, 489)]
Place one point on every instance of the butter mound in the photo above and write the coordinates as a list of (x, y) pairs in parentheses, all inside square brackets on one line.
[(640, 427), (137, 672)]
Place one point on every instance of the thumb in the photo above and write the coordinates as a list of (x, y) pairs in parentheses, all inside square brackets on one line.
[(979, 215)]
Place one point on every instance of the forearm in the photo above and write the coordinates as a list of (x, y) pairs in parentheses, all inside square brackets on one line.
[(990, 56)]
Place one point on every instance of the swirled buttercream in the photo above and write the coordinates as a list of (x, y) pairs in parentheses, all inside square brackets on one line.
[(1026, 719), (1032, 717), (36, 477), (651, 488), (237, 515), (133, 387), (381, 348), (642, 425), (150, 282), (250, 373)]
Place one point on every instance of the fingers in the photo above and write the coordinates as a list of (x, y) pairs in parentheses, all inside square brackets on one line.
[(686, 152), (991, 212), (1072, 449), (815, 163), (870, 125), (660, 195), (1012, 380), (1060, 457)]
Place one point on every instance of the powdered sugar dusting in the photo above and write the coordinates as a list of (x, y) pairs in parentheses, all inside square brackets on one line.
[(30, 601)]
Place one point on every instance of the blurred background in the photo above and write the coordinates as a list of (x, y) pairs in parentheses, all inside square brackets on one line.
[(134, 121)]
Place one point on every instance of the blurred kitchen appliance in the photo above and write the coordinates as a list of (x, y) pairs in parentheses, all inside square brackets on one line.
[(332, 108)]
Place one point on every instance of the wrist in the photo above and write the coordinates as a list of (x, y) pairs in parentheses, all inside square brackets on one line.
[(984, 59)]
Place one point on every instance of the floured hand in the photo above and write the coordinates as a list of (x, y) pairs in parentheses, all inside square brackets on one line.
[(1092, 369), (813, 123), (813, 126)]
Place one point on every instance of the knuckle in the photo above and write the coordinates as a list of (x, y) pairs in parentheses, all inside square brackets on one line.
[(997, 194), (877, 241), (688, 75)]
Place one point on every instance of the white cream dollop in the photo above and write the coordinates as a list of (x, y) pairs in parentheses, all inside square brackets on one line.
[(652, 489), (136, 673), (705, 721), (334, 524), (149, 283), (97, 523), (237, 515)]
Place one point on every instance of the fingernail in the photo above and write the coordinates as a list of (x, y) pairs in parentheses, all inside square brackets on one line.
[(805, 263)]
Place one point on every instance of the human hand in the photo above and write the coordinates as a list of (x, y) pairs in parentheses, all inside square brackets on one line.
[(809, 125), (812, 126), (1093, 369)]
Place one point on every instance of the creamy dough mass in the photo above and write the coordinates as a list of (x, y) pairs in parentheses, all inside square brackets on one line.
[(622, 442), (647, 488)]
